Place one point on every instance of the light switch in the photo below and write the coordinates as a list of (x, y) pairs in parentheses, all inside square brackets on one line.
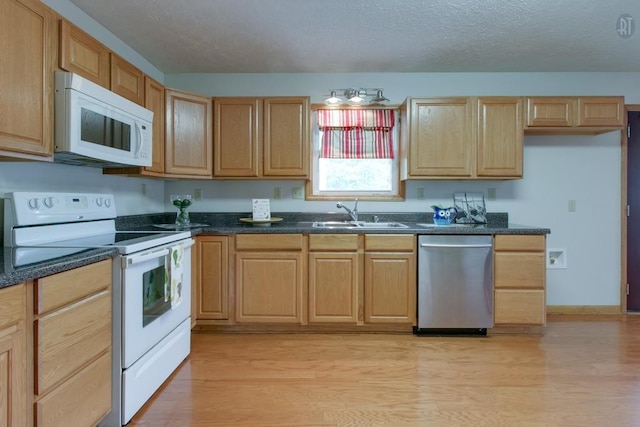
[(277, 193), (572, 205), (420, 193)]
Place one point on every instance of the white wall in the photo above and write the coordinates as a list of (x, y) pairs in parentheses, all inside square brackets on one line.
[(32, 176), (557, 168)]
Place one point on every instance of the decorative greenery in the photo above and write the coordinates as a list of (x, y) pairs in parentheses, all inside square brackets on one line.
[(182, 204)]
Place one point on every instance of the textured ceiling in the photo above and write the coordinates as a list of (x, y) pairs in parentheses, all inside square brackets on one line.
[(327, 36)]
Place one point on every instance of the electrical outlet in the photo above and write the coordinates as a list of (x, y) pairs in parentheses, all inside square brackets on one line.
[(297, 193), (491, 193), (277, 193), (143, 189), (197, 194), (420, 193), (572, 205)]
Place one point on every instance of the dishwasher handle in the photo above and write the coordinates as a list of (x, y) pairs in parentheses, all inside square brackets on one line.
[(452, 245)]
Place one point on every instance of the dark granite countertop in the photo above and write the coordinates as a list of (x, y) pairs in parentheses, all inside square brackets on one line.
[(229, 223), (11, 275)]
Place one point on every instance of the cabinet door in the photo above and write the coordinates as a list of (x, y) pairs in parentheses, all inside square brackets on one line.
[(441, 135), (551, 111), (127, 80), (601, 111), (188, 144), (237, 137), (82, 54), (26, 79), (500, 137), (269, 287), (154, 101), (390, 288), (212, 287), (13, 369), (333, 287), (286, 137)]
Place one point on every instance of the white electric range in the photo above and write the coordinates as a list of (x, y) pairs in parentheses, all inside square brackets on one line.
[(151, 295)]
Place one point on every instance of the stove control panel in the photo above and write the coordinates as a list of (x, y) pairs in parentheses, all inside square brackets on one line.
[(34, 208)]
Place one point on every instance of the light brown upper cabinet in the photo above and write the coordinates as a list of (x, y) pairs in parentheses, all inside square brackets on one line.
[(127, 80), (154, 100), (463, 137), (26, 80), (436, 136), (188, 137), (261, 137), (574, 114), (82, 54), (500, 137)]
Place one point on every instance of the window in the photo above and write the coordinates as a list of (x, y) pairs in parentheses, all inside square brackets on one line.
[(355, 154)]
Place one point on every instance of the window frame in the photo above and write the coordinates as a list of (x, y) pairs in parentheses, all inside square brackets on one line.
[(311, 191)]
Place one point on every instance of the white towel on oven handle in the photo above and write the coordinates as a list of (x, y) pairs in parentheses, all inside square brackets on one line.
[(176, 266)]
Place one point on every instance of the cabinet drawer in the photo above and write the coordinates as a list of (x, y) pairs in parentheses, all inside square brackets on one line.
[(12, 305), (520, 242), (93, 383), (67, 339), (551, 111), (333, 242), (63, 288), (519, 307), (389, 242), (519, 270), (600, 111), (269, 241)]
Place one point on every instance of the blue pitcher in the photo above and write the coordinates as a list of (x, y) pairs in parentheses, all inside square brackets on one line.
[(444, 216)]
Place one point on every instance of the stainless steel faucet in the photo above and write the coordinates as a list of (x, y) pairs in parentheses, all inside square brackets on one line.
[(353, 213)]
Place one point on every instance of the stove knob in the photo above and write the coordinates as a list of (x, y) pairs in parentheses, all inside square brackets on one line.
[(107, 202), (99, 201), (33, 204), (48, 202)]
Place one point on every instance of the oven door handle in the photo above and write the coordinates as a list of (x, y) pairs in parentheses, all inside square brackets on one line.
[(136, 259)]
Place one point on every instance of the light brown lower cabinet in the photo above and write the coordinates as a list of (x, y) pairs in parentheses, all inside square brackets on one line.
[(13, 366), (72, 346), (363, 279), (390, 279), (334, 278), (269, 275), (519, 280), (212, 277)]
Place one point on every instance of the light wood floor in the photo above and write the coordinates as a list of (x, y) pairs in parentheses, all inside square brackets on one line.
[(584, 371)]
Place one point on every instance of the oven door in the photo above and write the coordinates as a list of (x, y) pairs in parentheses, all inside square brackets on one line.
[(147, 314)]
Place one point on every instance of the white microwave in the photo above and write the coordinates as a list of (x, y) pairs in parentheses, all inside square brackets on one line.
[(97, 127)]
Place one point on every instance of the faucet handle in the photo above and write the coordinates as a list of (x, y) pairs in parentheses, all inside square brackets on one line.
[(376, 218)]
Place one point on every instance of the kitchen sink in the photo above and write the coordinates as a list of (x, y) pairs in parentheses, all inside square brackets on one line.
[(353, 225)]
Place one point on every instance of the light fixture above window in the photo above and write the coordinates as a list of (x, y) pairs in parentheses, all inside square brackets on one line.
[(356, 96)]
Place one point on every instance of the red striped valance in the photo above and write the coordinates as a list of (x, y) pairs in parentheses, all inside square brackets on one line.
[(356, 134)]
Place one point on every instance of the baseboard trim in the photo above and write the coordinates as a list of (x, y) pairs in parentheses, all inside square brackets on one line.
[(584, 309)]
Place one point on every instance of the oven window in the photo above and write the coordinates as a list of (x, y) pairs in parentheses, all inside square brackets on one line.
[(105, 131), (155, 297)]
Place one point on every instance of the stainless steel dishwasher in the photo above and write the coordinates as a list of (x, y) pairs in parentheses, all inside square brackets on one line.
[(455, 284)]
